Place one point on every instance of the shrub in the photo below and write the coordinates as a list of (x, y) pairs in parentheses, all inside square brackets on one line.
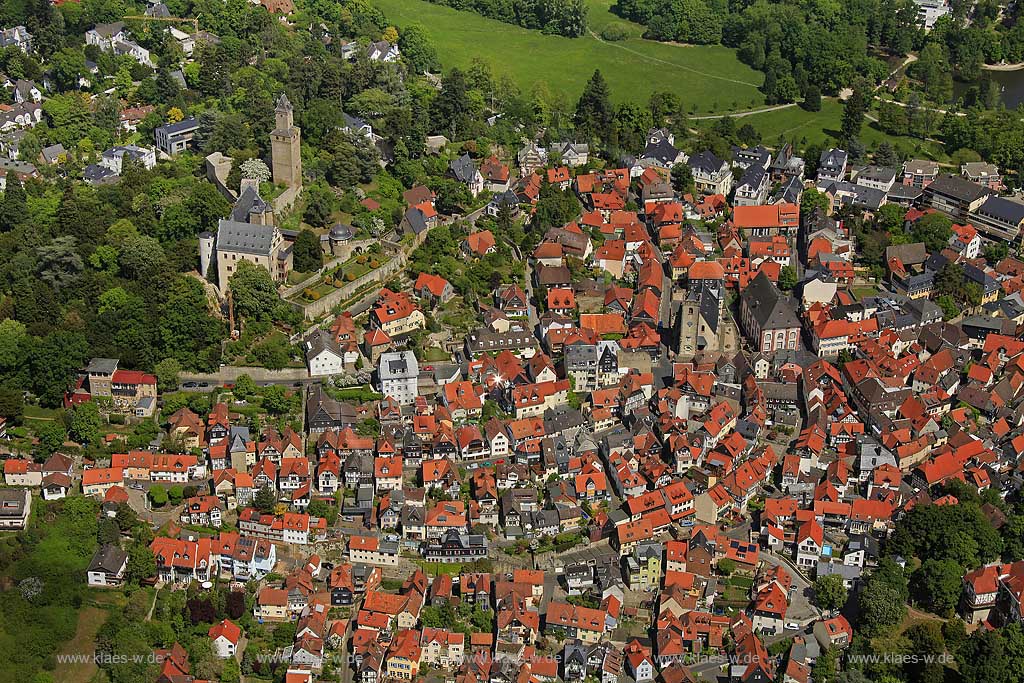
[(361, 259), (308, 293), (327, 279), (374, 265), (614, 32), (338, 283), (349, 277), (316, 296)]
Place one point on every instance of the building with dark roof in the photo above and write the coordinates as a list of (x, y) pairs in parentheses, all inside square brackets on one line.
[(323, 412), (769, 317), (832, 165), (999, 217), (711, 175), (108, 566), (955, 196), (250, 207), (262, 245), (174, 138)]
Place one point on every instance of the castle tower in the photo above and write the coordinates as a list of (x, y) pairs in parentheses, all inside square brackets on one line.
[(284, 146)]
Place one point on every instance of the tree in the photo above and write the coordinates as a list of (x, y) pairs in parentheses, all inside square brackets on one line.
[(265, 500), (935, 72), (950, 308), (451, 108), (141, 256), (276, 400), (829, 592), (787, 278), (157, 496), (231, 672), (126, 517), (323, 510), (12, 404), (451, 196), (66, 67), (245, 387), (594, 112), (886, 155), (682, 179), (824, 669), (726, 566), (854, 109), (934, 229), (175, 494), (13, 207), (984, 658), (85, 423), (307, 256), (631, 124), (255, 169), (107, 531), (320, 202), (813, 199), (812, 98), (167, 372), (141, 563), (234, 604), (883, 600), (54, 362), (51, 436), (59, 262), (417, 50), (253, 290)]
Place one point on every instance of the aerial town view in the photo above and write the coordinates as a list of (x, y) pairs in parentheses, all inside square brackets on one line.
[(511, 341)]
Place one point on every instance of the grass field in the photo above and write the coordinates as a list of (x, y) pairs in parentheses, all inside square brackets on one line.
[(90, 619), (805, 127), (708, 79)]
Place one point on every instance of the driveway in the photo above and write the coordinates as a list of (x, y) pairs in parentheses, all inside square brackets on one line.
[(800, 608)]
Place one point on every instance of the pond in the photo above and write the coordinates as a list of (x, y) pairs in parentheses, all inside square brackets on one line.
[(1011, 86)]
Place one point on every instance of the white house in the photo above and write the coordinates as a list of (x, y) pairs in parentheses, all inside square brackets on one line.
[(399, 376), (114, 157), (966, 241), (809, 541), (382, 51), (18, 37), (323, 355), (114, 38), (55, 486), (711, 175), (225, 636)]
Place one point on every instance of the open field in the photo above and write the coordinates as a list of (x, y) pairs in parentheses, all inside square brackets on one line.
[(90, 619), (708, 79), (819, 127)]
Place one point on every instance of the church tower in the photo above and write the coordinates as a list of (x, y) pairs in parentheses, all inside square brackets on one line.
[(284, 146)]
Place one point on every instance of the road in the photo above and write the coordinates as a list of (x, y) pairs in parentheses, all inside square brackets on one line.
[(528, 288), (741, 114), (800, 608)]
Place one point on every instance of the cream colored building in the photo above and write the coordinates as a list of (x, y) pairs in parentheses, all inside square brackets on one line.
[(263, 245), (285, 141)]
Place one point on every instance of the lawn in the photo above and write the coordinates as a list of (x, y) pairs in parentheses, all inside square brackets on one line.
[(438, 568), (435, 354), (90, 619), (795, 124), (708, 79), (743, 582), (867, 290), (43, 572)]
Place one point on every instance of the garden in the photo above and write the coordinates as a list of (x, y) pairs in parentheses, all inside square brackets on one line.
[(349, 271)]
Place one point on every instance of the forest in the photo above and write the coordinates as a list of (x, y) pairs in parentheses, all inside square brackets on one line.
[(560, 17)]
